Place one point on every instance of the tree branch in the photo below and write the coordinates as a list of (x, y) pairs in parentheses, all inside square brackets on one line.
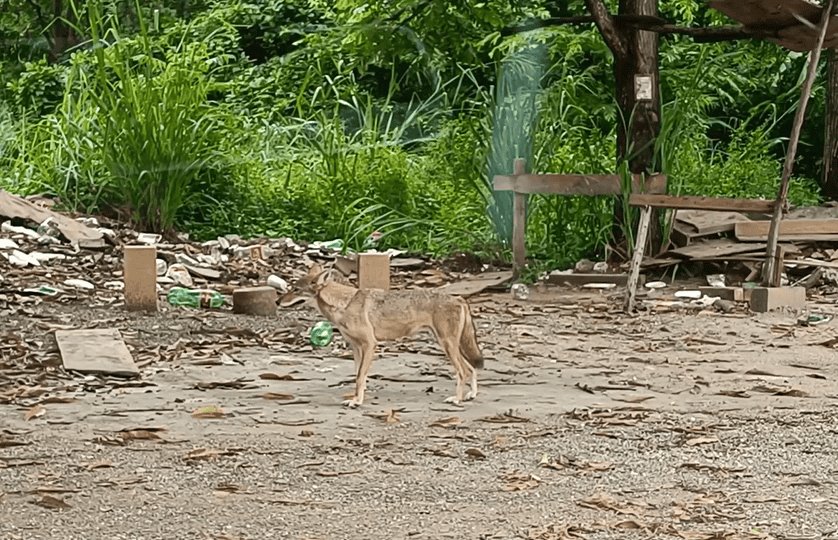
[(651, 24), (607, 27)]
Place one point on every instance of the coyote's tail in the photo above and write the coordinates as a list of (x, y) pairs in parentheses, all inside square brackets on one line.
[(468, 341)]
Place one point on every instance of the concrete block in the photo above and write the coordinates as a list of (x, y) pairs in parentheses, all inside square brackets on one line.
[(255, 301), (373, 271), (764, 299), (140, 277), (733, 294)]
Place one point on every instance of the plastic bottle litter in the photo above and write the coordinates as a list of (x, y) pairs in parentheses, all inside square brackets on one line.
[(520, 291), (321, 334), (161, 267), (195, 298)]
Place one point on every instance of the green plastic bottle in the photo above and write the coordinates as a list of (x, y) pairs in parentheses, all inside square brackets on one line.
[(195, 298), (321, 334)]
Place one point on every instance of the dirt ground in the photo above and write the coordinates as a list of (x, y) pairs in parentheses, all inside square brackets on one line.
[(589, 424)]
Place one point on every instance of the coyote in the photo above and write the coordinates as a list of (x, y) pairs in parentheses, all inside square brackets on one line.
[(365, 317)]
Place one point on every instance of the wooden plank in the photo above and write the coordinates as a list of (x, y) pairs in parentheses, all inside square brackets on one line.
[(576, 184), (795, 227), (637, 257), (686, 202), (95, 351), (700, 223), (477, 284), (807, 238), (715, 248), (519, 224), (12, 206)]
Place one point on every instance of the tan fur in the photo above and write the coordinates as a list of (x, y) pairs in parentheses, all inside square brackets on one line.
[(365, 317)]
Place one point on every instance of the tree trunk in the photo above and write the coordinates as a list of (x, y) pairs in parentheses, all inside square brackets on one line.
[(829, 182), (62, 35), (640, 123), (635, 53)]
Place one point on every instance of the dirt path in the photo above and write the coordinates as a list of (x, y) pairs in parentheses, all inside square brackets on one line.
[(588, 424)]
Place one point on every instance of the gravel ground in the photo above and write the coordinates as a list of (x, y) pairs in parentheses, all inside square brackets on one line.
[(589, 425)]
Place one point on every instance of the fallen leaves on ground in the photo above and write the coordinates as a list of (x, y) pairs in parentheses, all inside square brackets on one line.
[(475, 453), (51, 503), (697, 441), (141, 434), (504, 418), (448, 422), (333, 474), (604, 501), (519, 481), (35, 412), (388, 417), (206, 454), (567, 462), (209, 412), (274, 396)]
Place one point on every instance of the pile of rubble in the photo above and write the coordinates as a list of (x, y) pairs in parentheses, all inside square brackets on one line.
[(736, 243), (46, 255)]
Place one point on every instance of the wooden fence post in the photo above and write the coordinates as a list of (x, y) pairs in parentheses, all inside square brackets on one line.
[(519, 223)]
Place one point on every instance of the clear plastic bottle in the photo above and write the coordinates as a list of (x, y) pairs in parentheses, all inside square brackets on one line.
[(321, 334), (195, 298)]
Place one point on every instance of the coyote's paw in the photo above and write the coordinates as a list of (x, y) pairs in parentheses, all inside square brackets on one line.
[(470, 395), (351, 403), (454, 400)]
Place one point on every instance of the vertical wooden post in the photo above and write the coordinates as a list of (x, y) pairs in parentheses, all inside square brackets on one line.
[(519, 223), (637, 257), (770, 272)]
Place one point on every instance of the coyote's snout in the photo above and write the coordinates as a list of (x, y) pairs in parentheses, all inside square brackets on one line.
[(365, 317)]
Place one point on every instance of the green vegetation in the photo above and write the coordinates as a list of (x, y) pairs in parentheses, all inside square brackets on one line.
[(321, 120)]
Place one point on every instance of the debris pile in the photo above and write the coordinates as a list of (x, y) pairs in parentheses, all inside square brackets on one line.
[(737, 242), (45, 255)]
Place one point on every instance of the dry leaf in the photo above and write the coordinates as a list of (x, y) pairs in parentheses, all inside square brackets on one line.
[(35, 412), (205, 454), (100, 464), (505, 418), (9, 443), (389, 417), (141, 434), (209, 411), (696, 441), (52, 503), (517, 481), (332, 474), (475, 453), (448, 422), (306, 433), (278, 377), (278, 397)]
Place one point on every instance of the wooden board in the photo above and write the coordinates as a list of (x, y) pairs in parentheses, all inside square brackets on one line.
[(687, 202), (780, 21), (477, 284), (95, 351), (12, 206), (700, 223), (799, 229), (715, 248), (576, 184)]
